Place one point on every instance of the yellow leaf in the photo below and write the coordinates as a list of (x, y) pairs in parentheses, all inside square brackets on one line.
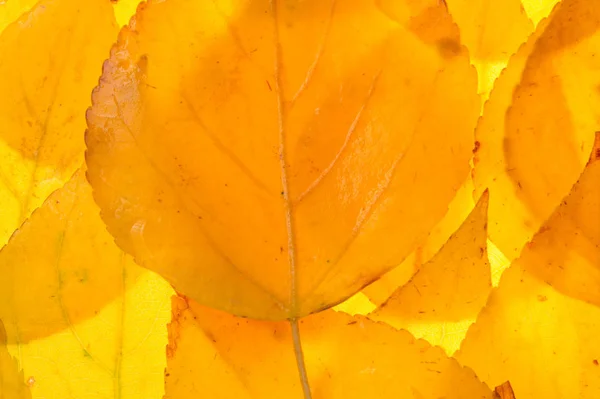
[(537, 129), (444, 297), (124, 10), (544, 341), (458, 210), (492, 31), (566, 251), (81, 317), (10, 11), (216, 355), (49, 65), (271, 160), (11, 379), (539, 9)]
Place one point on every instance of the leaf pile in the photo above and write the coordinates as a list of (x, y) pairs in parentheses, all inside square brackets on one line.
[(282, 198)]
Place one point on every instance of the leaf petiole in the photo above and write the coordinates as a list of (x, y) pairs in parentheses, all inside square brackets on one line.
[(300, 358)]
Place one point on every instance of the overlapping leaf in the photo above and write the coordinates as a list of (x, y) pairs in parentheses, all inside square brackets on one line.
[(10, 11), (492, 31), (538, 9), (49, 64), (265, 168), (12, 385), (458, 210), (446, 294), (538, 335), (537, 129), (82, 318), (213, 354)]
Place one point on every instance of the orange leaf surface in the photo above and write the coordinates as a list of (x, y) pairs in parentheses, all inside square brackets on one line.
[(444, 297), (49, 64), (544, 341), (271, 160), (537, 129), (11, 379), (217, 355), (71, 300)]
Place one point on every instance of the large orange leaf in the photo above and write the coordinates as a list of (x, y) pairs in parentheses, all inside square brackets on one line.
[(541, 339), (11, 379), (444, 297), (82, 319), (49, 65), (537, 129), (272, 160), (216, 355)]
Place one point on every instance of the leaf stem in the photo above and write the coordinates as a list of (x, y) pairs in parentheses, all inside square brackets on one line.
[(300, 358)]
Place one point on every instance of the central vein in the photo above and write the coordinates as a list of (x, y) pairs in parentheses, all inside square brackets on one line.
[(289, 220), (287, 205)]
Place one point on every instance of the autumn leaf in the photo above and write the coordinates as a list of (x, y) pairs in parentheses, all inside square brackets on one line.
[(217, 355), (537, 129), (539, 9), (50, 62), (277, 187), (541, 339), (11, 379), (458, 210), (444, 297), (565, 253), (492, 31), (10, 11), (81, 317)]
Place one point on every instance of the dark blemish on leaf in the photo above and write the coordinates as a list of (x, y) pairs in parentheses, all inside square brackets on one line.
[(448, 47), (542, 298), (595, 361), (167, 374), (282, 193), (520, 185), (269, 86), (280, 249), (352, 322), (476, 147)]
